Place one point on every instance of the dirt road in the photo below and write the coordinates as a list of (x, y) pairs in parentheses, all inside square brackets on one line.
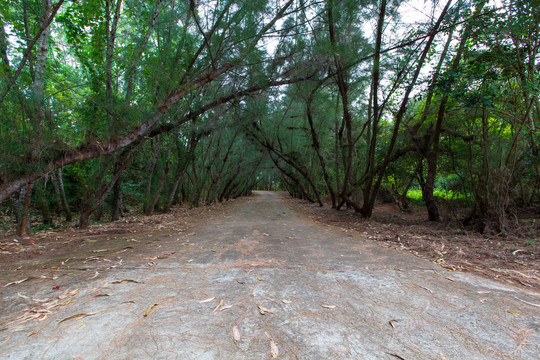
[(261, 281)]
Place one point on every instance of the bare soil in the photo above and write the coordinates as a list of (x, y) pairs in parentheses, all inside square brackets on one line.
[(128, 231), (511, 258)]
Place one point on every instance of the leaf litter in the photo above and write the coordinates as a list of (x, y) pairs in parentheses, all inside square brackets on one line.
[(41, 308)]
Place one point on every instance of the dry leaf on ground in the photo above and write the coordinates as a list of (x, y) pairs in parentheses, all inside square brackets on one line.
[(96, 296), (221, 302), (274, 351), (206, 300), (126, 281), (77, 316), (236, 334), (149, 309), (23, 280), (263, 310)]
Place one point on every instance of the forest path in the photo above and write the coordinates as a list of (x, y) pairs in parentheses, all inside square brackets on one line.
[(326, 294)]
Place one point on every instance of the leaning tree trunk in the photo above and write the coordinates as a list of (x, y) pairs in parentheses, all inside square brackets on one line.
[(317, 147)]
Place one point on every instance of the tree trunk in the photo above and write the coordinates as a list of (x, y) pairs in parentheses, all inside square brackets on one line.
[(317, 147), (181, 171), (343, 91), (432, 156), (38, 106), (153, 163), (27, 53), (161, 183), (125, 159), (23, 208), (373, 125), (63, 195), (117, 200), (43, 203), (369, 203)]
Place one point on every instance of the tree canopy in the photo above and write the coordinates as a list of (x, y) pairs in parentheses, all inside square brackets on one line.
[(111, 105)]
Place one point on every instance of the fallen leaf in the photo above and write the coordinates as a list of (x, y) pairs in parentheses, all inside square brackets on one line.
[(63, 304), (396, 356), (221, 302), (206, 300), (259, 278), (33, 333), (240, 282), (77, 316), (68, 294), (100, 250), (149, 309), (5, 341), (289, 237), (512, 312), (425, 288), (263, 310), (286, 301), (104, 286), (125, 281), (225, 307), (95, 276), (23, 280), (190, 260), (274, 351), (329, 306), (236, 334), (391, 322), (56, 288), (23, 296), (96, 296), (81, 324)]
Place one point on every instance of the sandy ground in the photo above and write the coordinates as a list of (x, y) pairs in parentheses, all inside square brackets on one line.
[(255, 279)]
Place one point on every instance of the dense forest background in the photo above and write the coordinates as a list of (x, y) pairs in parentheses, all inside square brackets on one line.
[(110, 106)]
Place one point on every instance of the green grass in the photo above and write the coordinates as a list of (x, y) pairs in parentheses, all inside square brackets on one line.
[(416, 194)]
